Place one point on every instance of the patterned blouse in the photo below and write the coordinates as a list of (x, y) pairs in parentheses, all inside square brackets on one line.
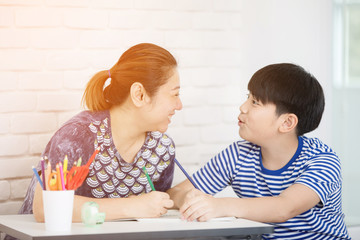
[(109, 176)]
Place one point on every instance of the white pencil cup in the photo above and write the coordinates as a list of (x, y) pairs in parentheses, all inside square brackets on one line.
[(58, 210)]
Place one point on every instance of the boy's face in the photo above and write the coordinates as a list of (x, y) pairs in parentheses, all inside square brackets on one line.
[(258, 122)]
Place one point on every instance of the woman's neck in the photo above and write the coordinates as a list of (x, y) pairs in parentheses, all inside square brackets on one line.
[(127, 132)]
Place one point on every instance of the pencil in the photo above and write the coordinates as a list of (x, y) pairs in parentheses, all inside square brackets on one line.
[(97, 150), (65, 163), (43, 173), (61, 176), (58, 178), (149, 179), (38, 177), (65, 167), (186, 174), (48, 172), (78, 164)]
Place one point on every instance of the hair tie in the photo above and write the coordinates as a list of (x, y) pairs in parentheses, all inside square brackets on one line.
[(109, 73)]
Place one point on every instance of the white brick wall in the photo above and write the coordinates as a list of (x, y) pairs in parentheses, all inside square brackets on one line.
[(50, 49), (16, 101), (5, 190), (6, 16), (38, 16)]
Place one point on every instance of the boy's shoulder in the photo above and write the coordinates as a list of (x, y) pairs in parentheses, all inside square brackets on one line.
[(315, 145), (245, 146), (245, 143), (315, 152)]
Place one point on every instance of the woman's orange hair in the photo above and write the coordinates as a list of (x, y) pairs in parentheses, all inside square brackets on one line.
[(145, 63)]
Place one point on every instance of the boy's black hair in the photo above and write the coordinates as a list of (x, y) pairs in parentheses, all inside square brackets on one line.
[(292, 90)]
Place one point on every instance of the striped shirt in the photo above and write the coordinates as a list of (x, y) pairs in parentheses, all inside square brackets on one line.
[(314, 164)]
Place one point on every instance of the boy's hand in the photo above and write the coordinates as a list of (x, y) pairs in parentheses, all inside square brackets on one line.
[(199, 206)]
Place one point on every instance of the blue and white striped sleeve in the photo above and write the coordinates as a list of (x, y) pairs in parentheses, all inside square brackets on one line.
[(323, 175), (216, 174)]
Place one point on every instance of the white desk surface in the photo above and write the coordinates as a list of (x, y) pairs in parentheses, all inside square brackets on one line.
[(25, 227)]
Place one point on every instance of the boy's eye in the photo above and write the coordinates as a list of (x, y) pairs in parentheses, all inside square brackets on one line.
[(255, 101), (252, 99)]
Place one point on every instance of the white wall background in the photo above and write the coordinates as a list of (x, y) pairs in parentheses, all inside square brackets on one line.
[(50, 48)]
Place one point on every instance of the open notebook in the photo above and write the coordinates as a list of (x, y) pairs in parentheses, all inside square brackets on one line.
[(171, 215)]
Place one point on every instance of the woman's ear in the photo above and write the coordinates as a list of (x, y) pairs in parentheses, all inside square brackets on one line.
[(289, 122), (138, 94)]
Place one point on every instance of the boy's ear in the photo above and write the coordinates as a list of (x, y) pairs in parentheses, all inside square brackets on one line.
[(289, 122), (138, 94)]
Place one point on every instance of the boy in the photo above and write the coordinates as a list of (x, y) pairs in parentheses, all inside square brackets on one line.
[(280, 176)]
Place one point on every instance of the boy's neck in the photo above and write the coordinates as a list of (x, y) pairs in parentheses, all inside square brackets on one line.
[(278, 153)]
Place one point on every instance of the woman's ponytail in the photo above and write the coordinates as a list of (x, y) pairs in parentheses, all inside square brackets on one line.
[(93, 97)]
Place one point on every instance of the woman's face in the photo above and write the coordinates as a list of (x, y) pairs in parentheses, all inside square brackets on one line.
[(164, 104)]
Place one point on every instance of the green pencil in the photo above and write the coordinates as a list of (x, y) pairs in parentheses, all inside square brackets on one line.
[(149, 179)]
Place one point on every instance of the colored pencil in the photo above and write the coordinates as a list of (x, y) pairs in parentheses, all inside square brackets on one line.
[(186, 174), (48, 172), (78, 164), (43, 173), (149, 179), (65, 168), (58, 177), (38, 177), (61, 176)]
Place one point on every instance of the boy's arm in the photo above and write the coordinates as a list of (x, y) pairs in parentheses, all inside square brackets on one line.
[(293, 201)]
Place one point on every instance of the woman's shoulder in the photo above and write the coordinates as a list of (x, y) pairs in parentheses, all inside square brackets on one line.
[(87, 117), (78, 128), (74, 138)]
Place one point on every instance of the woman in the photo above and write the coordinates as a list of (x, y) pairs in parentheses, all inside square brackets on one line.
[(130, 108)]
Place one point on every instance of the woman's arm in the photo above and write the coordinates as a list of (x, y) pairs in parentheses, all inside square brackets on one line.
[(153, 204), (179, 192)]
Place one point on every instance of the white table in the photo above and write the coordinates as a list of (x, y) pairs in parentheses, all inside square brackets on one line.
[(25, 227)]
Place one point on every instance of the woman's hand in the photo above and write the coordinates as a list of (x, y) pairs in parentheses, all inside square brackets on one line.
[(153, 204), (200, 206)]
